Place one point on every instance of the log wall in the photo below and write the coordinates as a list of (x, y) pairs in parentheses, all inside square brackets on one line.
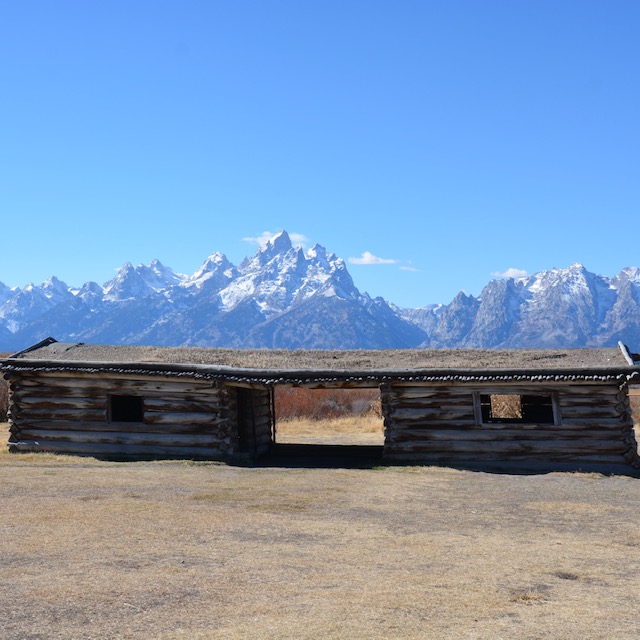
[(442, 424), (69, 413)]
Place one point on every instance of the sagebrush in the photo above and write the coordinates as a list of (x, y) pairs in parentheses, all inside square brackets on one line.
[(321, 404)]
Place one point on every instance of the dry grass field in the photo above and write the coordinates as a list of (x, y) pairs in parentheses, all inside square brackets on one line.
[(366, 430), (182, 550)]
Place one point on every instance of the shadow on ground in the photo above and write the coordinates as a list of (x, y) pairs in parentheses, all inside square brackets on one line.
[(328, 456), (321, 456)]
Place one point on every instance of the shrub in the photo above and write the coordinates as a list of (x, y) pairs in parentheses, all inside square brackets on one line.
[(319, 404)]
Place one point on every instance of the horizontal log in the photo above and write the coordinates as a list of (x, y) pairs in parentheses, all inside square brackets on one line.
[(121, 437), (53, 402), (588, 401), (590, 412), (65, 394), (133, 427), (213, 395), (393, 456), (569, 423), (173, 417), (450, 425), (431, 403), (394, 423), (472, 435), (436, 414), (220, 429), (430, 389), (588, 422), (36, 413), (117, 450), (541, 447), (186, 385), (183, 405)]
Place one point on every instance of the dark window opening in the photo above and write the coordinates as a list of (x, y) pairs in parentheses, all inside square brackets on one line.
[(534, 409), (126, 408)]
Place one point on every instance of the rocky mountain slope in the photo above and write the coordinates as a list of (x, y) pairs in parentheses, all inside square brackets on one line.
[(284, 297)]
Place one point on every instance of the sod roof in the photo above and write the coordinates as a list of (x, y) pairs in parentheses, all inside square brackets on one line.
[(267, 365)]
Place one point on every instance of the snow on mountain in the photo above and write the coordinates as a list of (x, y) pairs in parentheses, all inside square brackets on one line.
[(280, 275), (286, 297), (5, 293), (141, 281), (32, 302), (215, 273), (564, 307)]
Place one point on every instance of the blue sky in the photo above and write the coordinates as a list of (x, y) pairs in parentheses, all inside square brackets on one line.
[(453, 140)]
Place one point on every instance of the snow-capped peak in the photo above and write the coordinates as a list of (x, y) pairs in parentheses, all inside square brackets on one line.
[(631, 274), (278, 245), (216, 271), (141, 281), (52, 286)]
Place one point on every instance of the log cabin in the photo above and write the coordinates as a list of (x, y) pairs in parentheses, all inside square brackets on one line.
[(514, 409)]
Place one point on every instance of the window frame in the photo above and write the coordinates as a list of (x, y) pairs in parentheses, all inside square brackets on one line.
[(553, 395)]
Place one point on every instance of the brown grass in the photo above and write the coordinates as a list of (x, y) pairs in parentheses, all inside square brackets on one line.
[(180, 550), (365, 430)]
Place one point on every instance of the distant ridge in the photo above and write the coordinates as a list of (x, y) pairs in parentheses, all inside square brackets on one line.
[(285, 297)]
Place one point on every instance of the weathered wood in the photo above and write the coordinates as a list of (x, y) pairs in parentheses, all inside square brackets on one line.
[(121, 437), (182, 405), (173, 417), (86, 391), (603, 411), (62, 414), (588, 422), (539, 434), (110, 383), (121, 450), (433, 403), (464, 457), (520, 446), (436, 414), (588, 402), (612, 427), (407, 390), (221, 428), (55, 402)]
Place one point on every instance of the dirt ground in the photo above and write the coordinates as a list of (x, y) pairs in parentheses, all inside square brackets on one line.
[(182, 550)]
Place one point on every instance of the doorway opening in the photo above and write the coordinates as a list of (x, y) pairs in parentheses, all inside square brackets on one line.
[(330, 417)]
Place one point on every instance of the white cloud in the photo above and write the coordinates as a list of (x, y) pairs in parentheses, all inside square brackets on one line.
[(297, 239), (368, 258), (260, 240), (511, 272), (412, 269)]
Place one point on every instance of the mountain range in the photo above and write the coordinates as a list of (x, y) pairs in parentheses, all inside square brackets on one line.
[(285, 297)]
